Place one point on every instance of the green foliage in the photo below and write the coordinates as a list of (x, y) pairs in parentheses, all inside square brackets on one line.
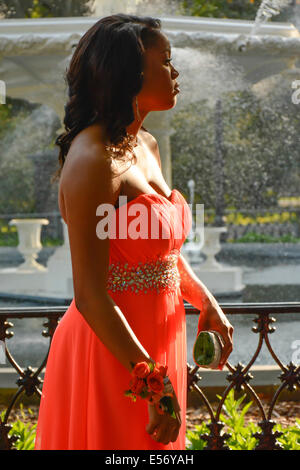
[(24, 432), (237, 9), (290, 440), (238, 218), (8, 234), (234, 418), (196, 442), (252, 237), (47, 241), (245, 9), (11, 112), (193, 151), (45, 8), (241, 434), (5, 118), (261, 151), (16, 185)]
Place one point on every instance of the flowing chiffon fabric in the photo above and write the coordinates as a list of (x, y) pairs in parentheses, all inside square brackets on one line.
[(83, 406)]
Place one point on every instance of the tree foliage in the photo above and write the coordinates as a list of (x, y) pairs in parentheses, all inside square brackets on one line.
[(236, 9), (261, 151), (45, 8)]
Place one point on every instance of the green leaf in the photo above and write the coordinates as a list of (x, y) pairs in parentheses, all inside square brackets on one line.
[(144, 393)]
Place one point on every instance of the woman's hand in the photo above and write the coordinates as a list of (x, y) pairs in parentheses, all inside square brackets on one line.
[(163, 427), (213, 318)]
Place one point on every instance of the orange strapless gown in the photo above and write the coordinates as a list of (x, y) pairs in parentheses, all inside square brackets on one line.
[(83, 406)]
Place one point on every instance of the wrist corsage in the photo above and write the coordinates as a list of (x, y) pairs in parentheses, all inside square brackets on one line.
[(150, 381)]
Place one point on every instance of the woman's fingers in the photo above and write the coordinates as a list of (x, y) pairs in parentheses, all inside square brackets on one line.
[(167, 432), (227, 347), (162, 435), (153, 426), (154, 420)]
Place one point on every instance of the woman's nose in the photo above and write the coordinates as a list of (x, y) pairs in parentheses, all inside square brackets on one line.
[(175, 73)]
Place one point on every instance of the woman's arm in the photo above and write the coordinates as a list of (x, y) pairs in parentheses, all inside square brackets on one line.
[(192, 289), (211, 315)]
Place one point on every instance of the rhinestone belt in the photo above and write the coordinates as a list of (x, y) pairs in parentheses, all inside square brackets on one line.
[(160, 274)]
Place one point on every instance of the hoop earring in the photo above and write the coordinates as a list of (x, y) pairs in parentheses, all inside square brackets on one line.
[(137, 109)]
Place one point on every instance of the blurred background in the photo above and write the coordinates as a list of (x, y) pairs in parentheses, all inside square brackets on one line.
[(230, 143)]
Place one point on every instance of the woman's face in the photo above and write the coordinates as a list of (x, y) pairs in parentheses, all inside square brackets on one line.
[(158, 92)]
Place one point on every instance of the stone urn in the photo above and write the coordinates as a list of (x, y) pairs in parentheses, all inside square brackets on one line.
[(29, 233)]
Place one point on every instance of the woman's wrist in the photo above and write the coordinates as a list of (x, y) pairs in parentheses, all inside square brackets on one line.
[(150, 381)]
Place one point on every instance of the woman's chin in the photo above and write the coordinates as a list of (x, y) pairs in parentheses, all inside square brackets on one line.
[(172, 102), (167, 105)]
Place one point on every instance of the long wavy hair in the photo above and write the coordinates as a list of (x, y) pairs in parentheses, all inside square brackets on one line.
[(103, 77)]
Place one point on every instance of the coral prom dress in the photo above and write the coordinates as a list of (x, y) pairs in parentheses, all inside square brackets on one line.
[(83, 405)]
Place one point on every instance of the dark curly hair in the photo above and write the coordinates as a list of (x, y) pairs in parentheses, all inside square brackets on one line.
[(104, 76)]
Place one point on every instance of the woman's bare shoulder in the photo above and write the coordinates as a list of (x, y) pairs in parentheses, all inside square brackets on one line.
[(152, 144), (88, 163), (89, 143), (148, 137)]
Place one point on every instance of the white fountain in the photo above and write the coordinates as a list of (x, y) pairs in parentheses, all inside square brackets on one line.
[(33, 57)]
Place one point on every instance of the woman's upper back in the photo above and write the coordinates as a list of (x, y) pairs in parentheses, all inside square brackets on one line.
[(87, 163)]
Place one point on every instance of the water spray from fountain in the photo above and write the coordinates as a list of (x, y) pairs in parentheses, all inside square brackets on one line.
[(268, 9)]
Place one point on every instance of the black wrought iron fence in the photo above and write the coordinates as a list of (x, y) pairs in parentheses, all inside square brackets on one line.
[(239, 377)]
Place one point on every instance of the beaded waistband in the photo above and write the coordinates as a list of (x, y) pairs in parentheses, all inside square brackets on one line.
[(160, 274)]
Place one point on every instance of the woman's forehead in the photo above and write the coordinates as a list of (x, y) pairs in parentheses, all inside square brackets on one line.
[(162, 44)]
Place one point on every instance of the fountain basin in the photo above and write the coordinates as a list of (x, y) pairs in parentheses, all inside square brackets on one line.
[(224, 282)]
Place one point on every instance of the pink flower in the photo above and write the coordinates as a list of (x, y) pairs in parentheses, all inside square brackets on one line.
[(137, 385), (141, 370), (155, 382), (161, 369)]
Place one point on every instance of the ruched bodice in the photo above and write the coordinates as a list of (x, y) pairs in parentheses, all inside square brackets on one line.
[(155, 228)]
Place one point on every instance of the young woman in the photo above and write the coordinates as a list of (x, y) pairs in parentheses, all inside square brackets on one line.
[(127, 313)]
